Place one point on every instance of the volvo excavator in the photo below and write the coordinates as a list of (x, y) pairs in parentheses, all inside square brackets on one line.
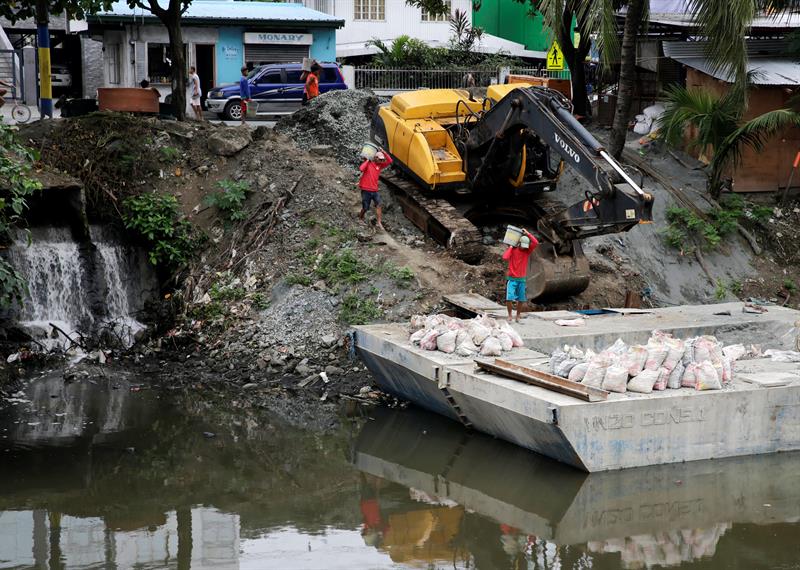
[(465, 162)]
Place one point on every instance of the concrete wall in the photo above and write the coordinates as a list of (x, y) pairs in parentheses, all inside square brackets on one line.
[(92, 66)]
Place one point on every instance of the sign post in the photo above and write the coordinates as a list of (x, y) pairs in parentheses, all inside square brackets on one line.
[(555, 58)]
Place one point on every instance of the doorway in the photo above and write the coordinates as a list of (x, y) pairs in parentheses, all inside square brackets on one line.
[(204, 60)]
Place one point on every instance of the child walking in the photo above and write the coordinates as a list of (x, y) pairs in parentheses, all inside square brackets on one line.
[(517, 258), (370, 172)]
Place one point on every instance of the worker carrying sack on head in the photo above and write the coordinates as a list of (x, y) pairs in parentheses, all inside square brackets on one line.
[(311, 88), (517, 257)]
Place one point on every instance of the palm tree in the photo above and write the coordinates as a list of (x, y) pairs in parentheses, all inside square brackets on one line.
[(719, 129)]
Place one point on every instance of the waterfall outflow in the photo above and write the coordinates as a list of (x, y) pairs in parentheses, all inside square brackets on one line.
[(97, 287)]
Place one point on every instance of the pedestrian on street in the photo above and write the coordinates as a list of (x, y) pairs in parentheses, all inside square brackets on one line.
[(517, 258), (370, 172), (194, 81), (3, 91), (311, 89), (244, 94)]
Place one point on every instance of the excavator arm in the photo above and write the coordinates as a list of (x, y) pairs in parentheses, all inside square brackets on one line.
[(543, 117)]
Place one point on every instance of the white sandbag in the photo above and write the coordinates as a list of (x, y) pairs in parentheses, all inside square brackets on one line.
[(466, 348), (643, 382), (579, 322), (578, 372), (661, 381), (505, 341), (734, 351), (689, 379), (675, 350), (597, 370), (653, 111), (417, 322), (417, 336), (428, 342), (674, 380), (516, 339), (578, 353), (727, 370), (656, 353), (619, 347), (707, 377), (446, 342), (556, 359), (479, 332), (688, 353), (491, 347), (635, 359), (643, 125), (616, 379), (565, 367)]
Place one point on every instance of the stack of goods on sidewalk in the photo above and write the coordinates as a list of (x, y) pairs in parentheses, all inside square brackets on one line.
[(482, 335), (664, 362)]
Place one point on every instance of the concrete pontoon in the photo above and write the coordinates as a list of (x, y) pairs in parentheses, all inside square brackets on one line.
[(758, 413)]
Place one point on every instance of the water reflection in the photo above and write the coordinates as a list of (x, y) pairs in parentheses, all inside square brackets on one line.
[(128, 481)]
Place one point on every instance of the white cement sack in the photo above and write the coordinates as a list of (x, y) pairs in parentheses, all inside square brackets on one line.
[(675, 350), (619, 347), (707, 377), (578, 372), (643, 125), (516, 339), (491, 347), (674, 380), (417, 322), (556, 359), (653, 111), (446, 342), (428, 342), (466, 348), (479, 332), (734, 351), (643, 382), (505, 341), (689, 379), (616, 379), (597, 370), (727, 370), (656, 353), (579, 322), (634, 360), (564, 368), (661, 381), (417, 336), (688, 353)]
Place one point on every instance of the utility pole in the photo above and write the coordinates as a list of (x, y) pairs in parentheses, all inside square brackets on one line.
[(43, 41)]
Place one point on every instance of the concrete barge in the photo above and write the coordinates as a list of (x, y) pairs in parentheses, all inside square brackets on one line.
[(759, 412)]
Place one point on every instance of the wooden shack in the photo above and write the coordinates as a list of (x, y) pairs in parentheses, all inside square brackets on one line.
[(776, 79)]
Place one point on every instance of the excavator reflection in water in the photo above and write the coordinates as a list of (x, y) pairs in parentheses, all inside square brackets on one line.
[(468, 162)]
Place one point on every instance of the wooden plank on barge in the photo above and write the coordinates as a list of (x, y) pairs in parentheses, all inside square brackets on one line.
[(543, 380), (473, 302)]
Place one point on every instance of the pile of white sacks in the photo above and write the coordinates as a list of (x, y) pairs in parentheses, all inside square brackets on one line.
[(664, 362), (482, 335)]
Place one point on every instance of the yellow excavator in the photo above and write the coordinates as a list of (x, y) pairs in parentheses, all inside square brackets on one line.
[(465, 162)]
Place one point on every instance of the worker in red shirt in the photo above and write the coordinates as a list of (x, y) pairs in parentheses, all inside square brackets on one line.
[(517, 258), (311, 88), (370, 171)]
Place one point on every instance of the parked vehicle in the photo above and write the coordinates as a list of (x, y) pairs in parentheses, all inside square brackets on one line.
[(275, 88)]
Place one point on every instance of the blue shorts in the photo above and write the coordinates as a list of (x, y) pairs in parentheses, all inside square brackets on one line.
[(515, 291), (368, 197)]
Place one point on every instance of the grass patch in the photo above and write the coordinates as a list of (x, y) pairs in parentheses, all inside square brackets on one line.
[(260, 301), (720, 291), (357, 310), (208, 312), (169, 154), (736, 287), (298, 279), (226, 292), (342, 267), (789, 285)]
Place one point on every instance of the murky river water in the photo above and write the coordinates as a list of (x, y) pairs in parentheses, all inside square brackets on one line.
[(97, 475)]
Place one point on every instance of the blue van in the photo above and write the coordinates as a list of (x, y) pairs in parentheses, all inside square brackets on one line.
[(276, 88)]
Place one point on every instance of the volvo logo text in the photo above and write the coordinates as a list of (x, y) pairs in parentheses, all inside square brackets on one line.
[(568, 149)]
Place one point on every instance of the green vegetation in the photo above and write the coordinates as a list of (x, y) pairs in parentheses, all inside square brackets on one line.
[(157, 220), (736, 287), (357, 310), (260, 301), (720, 291), (298, 279), (230, 199), (208, 312), (169, 154), (227, 290), (15, 189), (341, 267), (401, 275), (789, 285)]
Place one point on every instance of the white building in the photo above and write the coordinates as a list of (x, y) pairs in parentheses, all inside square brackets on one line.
[(387, 19)]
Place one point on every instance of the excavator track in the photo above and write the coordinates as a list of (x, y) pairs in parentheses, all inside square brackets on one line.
[(438, 219)]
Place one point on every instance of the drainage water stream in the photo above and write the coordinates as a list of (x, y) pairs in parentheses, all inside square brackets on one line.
[(99, 473)]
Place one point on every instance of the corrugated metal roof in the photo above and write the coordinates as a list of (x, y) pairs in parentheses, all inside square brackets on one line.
[(231, 10), (685, 20), (765, 61)]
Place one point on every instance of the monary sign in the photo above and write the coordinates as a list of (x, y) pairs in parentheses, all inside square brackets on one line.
[(283, 38)]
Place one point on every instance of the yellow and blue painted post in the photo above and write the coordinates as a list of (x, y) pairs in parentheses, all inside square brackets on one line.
[(45, 85)]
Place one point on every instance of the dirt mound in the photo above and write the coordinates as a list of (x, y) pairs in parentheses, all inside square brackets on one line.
[(340, 119)]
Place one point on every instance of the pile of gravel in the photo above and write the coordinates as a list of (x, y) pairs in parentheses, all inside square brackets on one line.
[(339, 119)]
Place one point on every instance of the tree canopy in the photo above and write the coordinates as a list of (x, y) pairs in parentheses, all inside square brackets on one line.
[(22, 9)]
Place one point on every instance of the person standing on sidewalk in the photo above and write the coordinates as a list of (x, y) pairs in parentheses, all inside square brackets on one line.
[(194, 81), (244, 94), (311, 89), (517, 258), (370, 172)]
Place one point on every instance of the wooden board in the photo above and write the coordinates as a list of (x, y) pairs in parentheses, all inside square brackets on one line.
[(543, 380), (473, 302)]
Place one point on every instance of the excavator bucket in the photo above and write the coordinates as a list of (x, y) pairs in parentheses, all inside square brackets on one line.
[(553, 275)]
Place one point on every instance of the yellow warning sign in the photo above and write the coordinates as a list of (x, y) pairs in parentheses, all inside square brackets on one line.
[(555, 58)]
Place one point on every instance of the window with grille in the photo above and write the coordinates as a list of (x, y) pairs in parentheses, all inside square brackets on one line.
[(369, 9), (427, 17), (112, 63)]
